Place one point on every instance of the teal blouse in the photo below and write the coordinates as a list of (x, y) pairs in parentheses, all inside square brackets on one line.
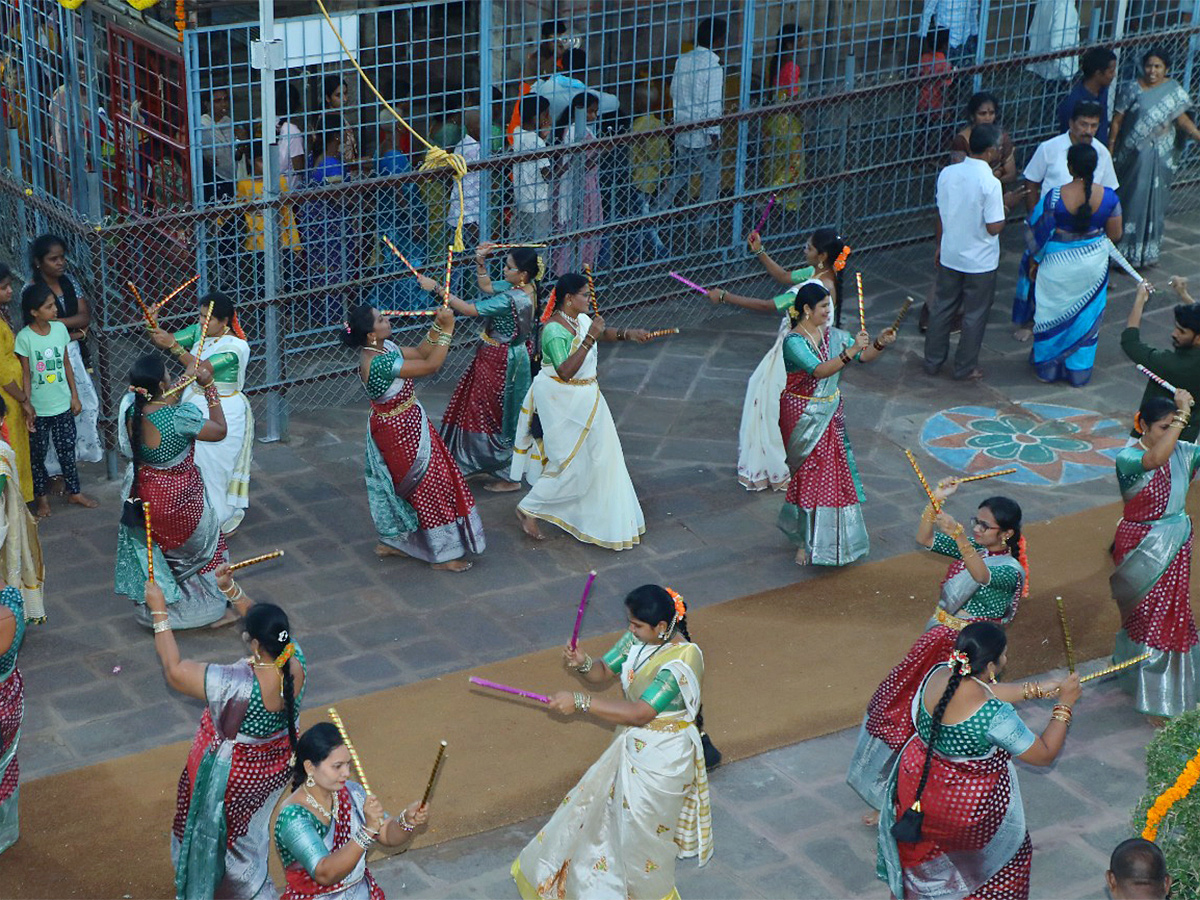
[(498, 308), (994, 599), (663, 694), (300, 837), (11, 597), (384, 369), (177, 426), (995, 724), (261, 722)]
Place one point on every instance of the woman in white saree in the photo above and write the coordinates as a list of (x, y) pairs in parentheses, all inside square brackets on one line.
[(567, 446), (224, 464), (644, 803)]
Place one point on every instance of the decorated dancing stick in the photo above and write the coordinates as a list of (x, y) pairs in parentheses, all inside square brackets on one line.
[(514, 246), (179, 386), (900, 316), (203, 332), (395, 313), (587, 271), (483, 682), (1118, 667), (399, 255), (149, 542), (449, 263), (337, 720), (937, 507), (766, 212), (137, 295), (985, 475), (1062, 620), (437, 764), (691, 284), (171, 296), (862, 310), (1121, 261), (582, 606), (661, 332), (274, 554), (1161, 382)]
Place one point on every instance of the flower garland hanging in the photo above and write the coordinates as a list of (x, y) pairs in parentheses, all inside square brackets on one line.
[(1181, 788), (180, 19)]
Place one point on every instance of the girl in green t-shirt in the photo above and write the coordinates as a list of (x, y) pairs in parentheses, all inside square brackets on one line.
[(42, 348)]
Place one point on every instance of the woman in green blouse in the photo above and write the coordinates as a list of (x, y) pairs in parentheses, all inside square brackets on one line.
[(573, 456), (328, 824), (645, 801)]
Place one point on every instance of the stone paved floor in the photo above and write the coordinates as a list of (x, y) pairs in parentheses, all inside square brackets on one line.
[(369, 624)]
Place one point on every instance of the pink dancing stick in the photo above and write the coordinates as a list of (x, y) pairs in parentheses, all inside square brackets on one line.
[(582, 606), (1161, 382), (691, 284), (483, 682), (766, 212), (399, 255)]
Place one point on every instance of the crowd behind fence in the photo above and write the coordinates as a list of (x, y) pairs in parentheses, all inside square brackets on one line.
[(157, 168)]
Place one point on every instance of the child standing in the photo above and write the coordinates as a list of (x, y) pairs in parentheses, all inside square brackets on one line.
[(42, 348), (649, 161)]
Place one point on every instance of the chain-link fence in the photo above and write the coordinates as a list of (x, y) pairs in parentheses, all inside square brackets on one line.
[(655, 135)]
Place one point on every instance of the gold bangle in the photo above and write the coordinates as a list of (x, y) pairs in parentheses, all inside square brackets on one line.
[(160, 627), (958, 532)]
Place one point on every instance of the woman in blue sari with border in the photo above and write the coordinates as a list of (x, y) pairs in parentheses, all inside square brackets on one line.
[(1074, 235)]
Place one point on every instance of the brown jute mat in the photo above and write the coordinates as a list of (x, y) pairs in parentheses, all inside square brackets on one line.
[(782, 666)]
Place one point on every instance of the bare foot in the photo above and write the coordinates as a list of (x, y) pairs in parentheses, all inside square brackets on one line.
[(83, 500), (228, 619), (1023, 334), (802, 557), (500, 486), (455, 565), (43, 507), (871, 819), (529, 526), (383, 550)]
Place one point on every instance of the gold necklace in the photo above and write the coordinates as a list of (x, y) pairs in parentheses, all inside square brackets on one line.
[(374, 349), (312, 801)]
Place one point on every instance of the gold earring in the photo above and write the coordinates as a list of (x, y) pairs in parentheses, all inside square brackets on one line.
[(992, 676), (308, 782)]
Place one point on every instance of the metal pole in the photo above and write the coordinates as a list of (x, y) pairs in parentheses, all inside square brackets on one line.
[(743, 128), (267, 56), (191, 77), (33, 102), (1192, 45), (485, 118), (981, 44)]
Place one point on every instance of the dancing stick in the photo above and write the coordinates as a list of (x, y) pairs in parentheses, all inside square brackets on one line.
[(766, 212), (985, 475), (1118, 667), (587, 271), (395, 313), (1161, 382), (937, 507), (437, 764), (1121, 261), (691, 284), (203, 332), (337, 720), (149, 542), (514, 246), (137, 295), (483, 682), (179, 386), (582, 606), (274, 554), (908, 302), (661, 332), (171, 296), (862, 310), (399, 255), (1062, 620), (449, 263)]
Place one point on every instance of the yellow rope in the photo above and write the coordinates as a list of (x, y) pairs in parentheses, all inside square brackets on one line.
[(435, 157)]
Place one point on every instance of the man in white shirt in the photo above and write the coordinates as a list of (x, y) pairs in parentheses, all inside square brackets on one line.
[(970, 216), (224, 160), (532, 195), (1047, 170), (697, 93), (961, 19)]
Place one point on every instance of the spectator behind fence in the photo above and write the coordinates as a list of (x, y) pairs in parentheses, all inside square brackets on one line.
[(961, 19), (249, 190), (649, 162), (332, 103), (985, 108), (220, 153), (1097, 69), (970, 217), (783, 131), (1138, 871), (468, 147), (563, 87), (936, 75), (579, 204), (532, 178), (697, 93), (1150, 122), (541, 64), (290, 134), (324, 228), (402, 218), (1053, 28)]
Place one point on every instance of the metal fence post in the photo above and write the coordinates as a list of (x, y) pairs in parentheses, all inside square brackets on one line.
[(485, 118), (191, 77), (33, 102), (266, 59), (1192, 45), (843, 146), (743, 126), (981, 44)]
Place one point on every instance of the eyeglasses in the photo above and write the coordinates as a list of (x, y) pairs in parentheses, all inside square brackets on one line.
[(980, 525)]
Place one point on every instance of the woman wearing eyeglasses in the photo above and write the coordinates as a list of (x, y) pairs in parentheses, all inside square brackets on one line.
[(985, 581)]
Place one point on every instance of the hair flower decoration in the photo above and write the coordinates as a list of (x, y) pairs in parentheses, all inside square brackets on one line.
[(960, 658), (284, 655), (141, 392), (680, 608), (549, 310), (283, 636), (840, 262)]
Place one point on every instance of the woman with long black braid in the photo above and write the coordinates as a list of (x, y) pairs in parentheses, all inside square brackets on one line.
[(241, 758), (957, 826)]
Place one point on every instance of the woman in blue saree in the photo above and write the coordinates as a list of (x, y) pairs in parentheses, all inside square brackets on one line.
[(1149, 122), (1073, 234)]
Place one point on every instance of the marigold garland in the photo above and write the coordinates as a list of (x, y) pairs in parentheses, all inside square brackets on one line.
[(1181, 788), (180, 19)]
